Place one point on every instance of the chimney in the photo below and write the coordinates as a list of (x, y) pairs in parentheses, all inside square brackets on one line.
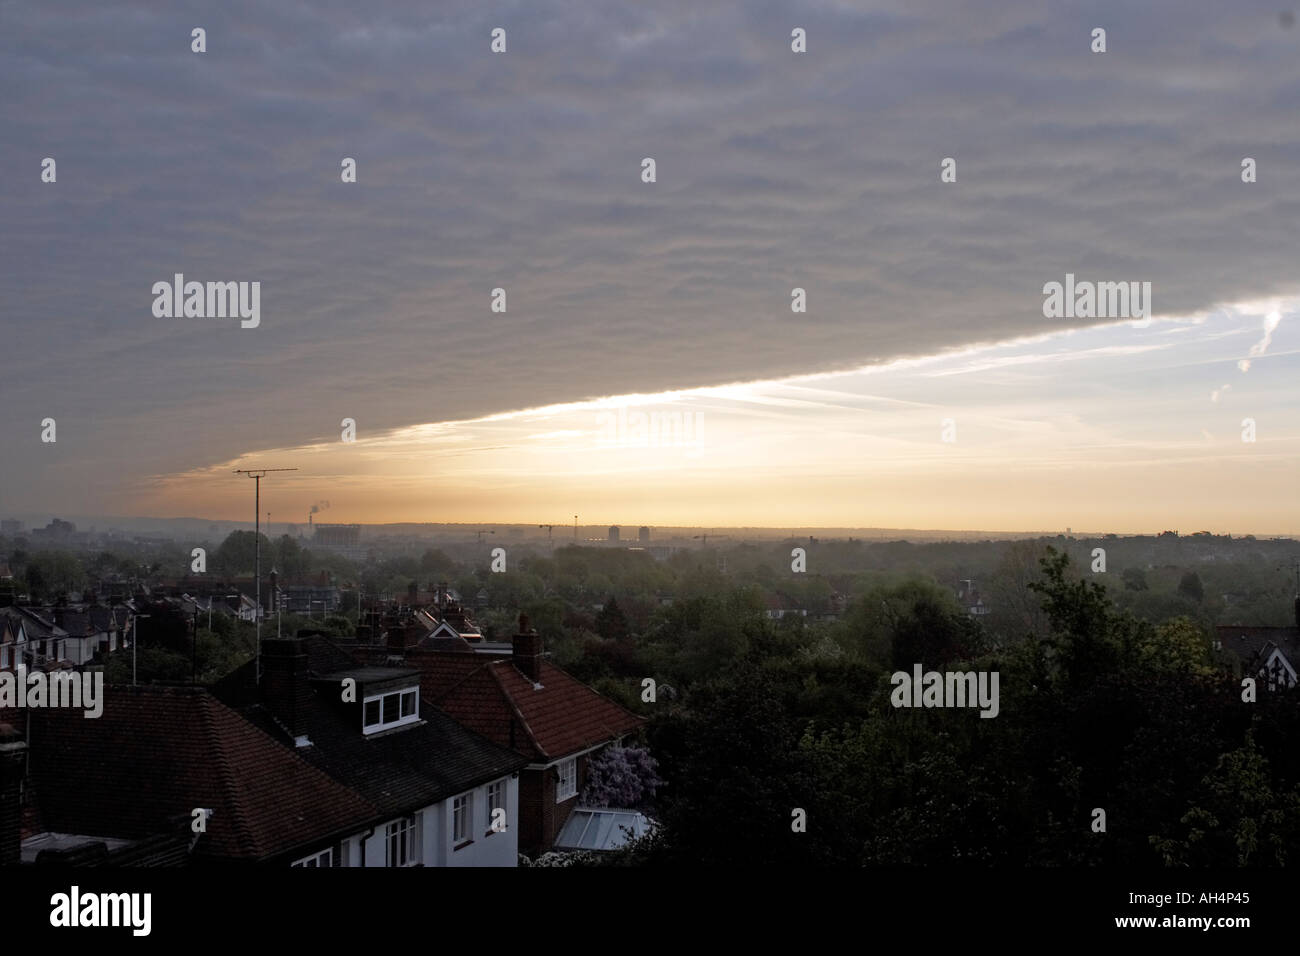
[(527, 651), (13, 758), (286, 689), (403, 635)]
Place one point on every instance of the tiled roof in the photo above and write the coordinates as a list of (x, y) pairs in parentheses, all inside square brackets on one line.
[(157, 753), (101, 618), (76, 623), (492, 697), (1248, 643), (37, 625), (399, 770)]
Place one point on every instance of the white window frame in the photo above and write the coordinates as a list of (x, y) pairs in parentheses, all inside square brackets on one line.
[(566, 782), (328, 857), (400, 698), (403, 834), (497, 799), (462, 819)]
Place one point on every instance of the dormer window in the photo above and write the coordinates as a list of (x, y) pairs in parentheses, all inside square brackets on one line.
[(394, 709)]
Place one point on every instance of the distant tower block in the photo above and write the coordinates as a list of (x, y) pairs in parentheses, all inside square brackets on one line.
[(337, 535), (643, 535), (613, 532)]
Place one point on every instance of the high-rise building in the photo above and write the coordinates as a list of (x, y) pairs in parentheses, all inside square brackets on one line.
[(613, 532), (643, 535)]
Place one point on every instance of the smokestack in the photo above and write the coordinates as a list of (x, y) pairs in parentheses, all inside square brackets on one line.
[(527, 651)]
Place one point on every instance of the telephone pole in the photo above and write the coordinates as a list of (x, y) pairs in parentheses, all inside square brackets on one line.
[(257, 474)]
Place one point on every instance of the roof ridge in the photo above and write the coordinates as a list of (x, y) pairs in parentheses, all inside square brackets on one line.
[(537, 745), (593, 690), (226, 779)]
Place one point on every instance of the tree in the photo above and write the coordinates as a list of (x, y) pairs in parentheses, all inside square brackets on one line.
[(735, 776), (1010, 590), (1237, 817), (1177, 646), (611, 622), (1089, 638), (236, 555), (436, 564), (1190, 587), (1135, 579)]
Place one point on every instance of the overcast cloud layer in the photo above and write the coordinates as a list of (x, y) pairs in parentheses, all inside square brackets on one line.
[(522, 171)]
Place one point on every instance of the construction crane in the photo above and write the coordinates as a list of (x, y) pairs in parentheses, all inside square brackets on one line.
[(257, 474), (481, 533), (706, 538)]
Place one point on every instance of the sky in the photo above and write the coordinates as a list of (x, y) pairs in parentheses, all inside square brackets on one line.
[(923, 387)]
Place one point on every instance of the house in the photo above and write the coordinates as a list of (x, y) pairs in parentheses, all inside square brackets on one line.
[(13, 638), (778, 607), (320, 596), (295, 776), (1271, 654), (447, 796), (45, 643), (968, 596), (123, 788), (524, 702)]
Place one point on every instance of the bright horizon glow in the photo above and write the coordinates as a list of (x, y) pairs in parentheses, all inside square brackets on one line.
[(1129, 427)]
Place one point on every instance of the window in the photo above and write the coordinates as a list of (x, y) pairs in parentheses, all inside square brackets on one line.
[(329, 857), (496, 801), (567, 784), (403, 839), (391, 710), (461, 810)]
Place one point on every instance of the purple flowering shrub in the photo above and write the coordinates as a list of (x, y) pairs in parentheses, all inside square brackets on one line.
[(622, 777)]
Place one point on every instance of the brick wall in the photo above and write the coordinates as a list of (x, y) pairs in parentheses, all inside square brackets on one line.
[(540, 820)]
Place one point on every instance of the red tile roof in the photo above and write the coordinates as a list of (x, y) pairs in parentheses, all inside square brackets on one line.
[(157, 753), (491, 696)]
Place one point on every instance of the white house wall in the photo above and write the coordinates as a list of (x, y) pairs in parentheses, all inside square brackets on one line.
[(496, 849)]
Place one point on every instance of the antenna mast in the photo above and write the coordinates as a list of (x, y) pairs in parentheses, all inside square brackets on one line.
[(257, 474)]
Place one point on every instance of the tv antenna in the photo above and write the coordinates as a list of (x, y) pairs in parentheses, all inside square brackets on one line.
[(257, 474)]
